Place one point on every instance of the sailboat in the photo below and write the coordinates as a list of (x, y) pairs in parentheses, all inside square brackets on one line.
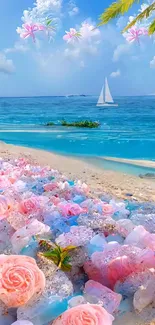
[(105, 98)]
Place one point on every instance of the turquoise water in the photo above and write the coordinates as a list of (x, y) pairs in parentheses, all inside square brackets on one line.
[(127, 131)]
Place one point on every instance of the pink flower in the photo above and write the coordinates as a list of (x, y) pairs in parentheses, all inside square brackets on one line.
[(72, 35), (70, 209), (85, 315), (134, 33), (107, 209), (5, 207), (29, 206), (28, 30), (20, 279)]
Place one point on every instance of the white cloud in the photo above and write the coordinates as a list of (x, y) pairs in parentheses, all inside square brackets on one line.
[(18, 47), (88, 43), (42, 9), (121, 22), (6, 65), (72, 52), (121, 50), (115, 74), (73, 10), (152, 63)]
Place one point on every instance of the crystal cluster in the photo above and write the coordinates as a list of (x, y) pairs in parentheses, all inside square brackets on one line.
[(67, 258)]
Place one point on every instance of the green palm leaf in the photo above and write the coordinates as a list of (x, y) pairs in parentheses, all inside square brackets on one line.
[(152, 28), (116, 9), (144, 14)]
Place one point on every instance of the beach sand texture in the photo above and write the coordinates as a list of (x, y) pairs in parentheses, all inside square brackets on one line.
[(99, 180)]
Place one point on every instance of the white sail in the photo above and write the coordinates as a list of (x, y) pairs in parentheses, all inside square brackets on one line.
[(101, 97), (108, 97)]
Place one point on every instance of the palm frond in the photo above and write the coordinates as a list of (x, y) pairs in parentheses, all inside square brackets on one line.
[(116, 9), (152, 28), (144, 14)]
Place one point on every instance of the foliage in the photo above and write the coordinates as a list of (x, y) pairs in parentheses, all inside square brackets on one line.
[(144, 14), (81, 124), (49, 124), (60, 256), (122, 6)]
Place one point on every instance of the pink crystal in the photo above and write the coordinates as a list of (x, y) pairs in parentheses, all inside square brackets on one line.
[(141, 238), (110, 299)]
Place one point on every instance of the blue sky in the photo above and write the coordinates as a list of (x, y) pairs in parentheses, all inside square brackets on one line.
[(58, 68)]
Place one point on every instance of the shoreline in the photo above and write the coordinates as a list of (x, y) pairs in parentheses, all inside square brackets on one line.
[(134, 162), (99, 180)]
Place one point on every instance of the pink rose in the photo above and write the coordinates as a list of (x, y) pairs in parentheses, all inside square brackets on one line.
[(20, 279), (107, 209), (70, 209), (29, 205), (5, 207), (85, 315)]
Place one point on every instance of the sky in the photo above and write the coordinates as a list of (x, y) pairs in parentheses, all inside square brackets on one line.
[(52, 68)]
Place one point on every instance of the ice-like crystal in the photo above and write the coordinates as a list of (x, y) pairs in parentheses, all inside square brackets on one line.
[(109, 298), (22, 236), (78, 236), (144, 296), (134, 281), (146, 220), (6, 231), (141, 238), (43, 310)]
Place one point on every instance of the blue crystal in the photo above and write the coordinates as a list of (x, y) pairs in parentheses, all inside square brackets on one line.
[(30, 249), (71, 183), (72, 221)]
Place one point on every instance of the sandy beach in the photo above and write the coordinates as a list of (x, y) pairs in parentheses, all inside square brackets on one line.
[(99, 180)]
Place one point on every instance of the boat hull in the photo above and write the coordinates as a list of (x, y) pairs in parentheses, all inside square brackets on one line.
[(107, 105)]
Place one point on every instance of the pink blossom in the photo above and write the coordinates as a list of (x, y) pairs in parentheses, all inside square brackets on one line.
[(107, 209), (134, 33), (28, 30), (85, 315), (29, 205), (71, 36), (20, 279), (70, 209)]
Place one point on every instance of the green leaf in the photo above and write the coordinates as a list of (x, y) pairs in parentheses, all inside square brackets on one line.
[(69, 248), (48, 22), (116, 9), (152, 28), (144, 14), (66, 268)]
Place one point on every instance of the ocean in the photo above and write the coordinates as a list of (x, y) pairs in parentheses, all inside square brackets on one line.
[(127, 131)]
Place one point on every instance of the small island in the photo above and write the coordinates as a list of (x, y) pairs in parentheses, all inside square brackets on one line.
[(80, 124)]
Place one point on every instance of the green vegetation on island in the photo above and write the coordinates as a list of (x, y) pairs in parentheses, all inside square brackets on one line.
[(49, 124), (79, 124)]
